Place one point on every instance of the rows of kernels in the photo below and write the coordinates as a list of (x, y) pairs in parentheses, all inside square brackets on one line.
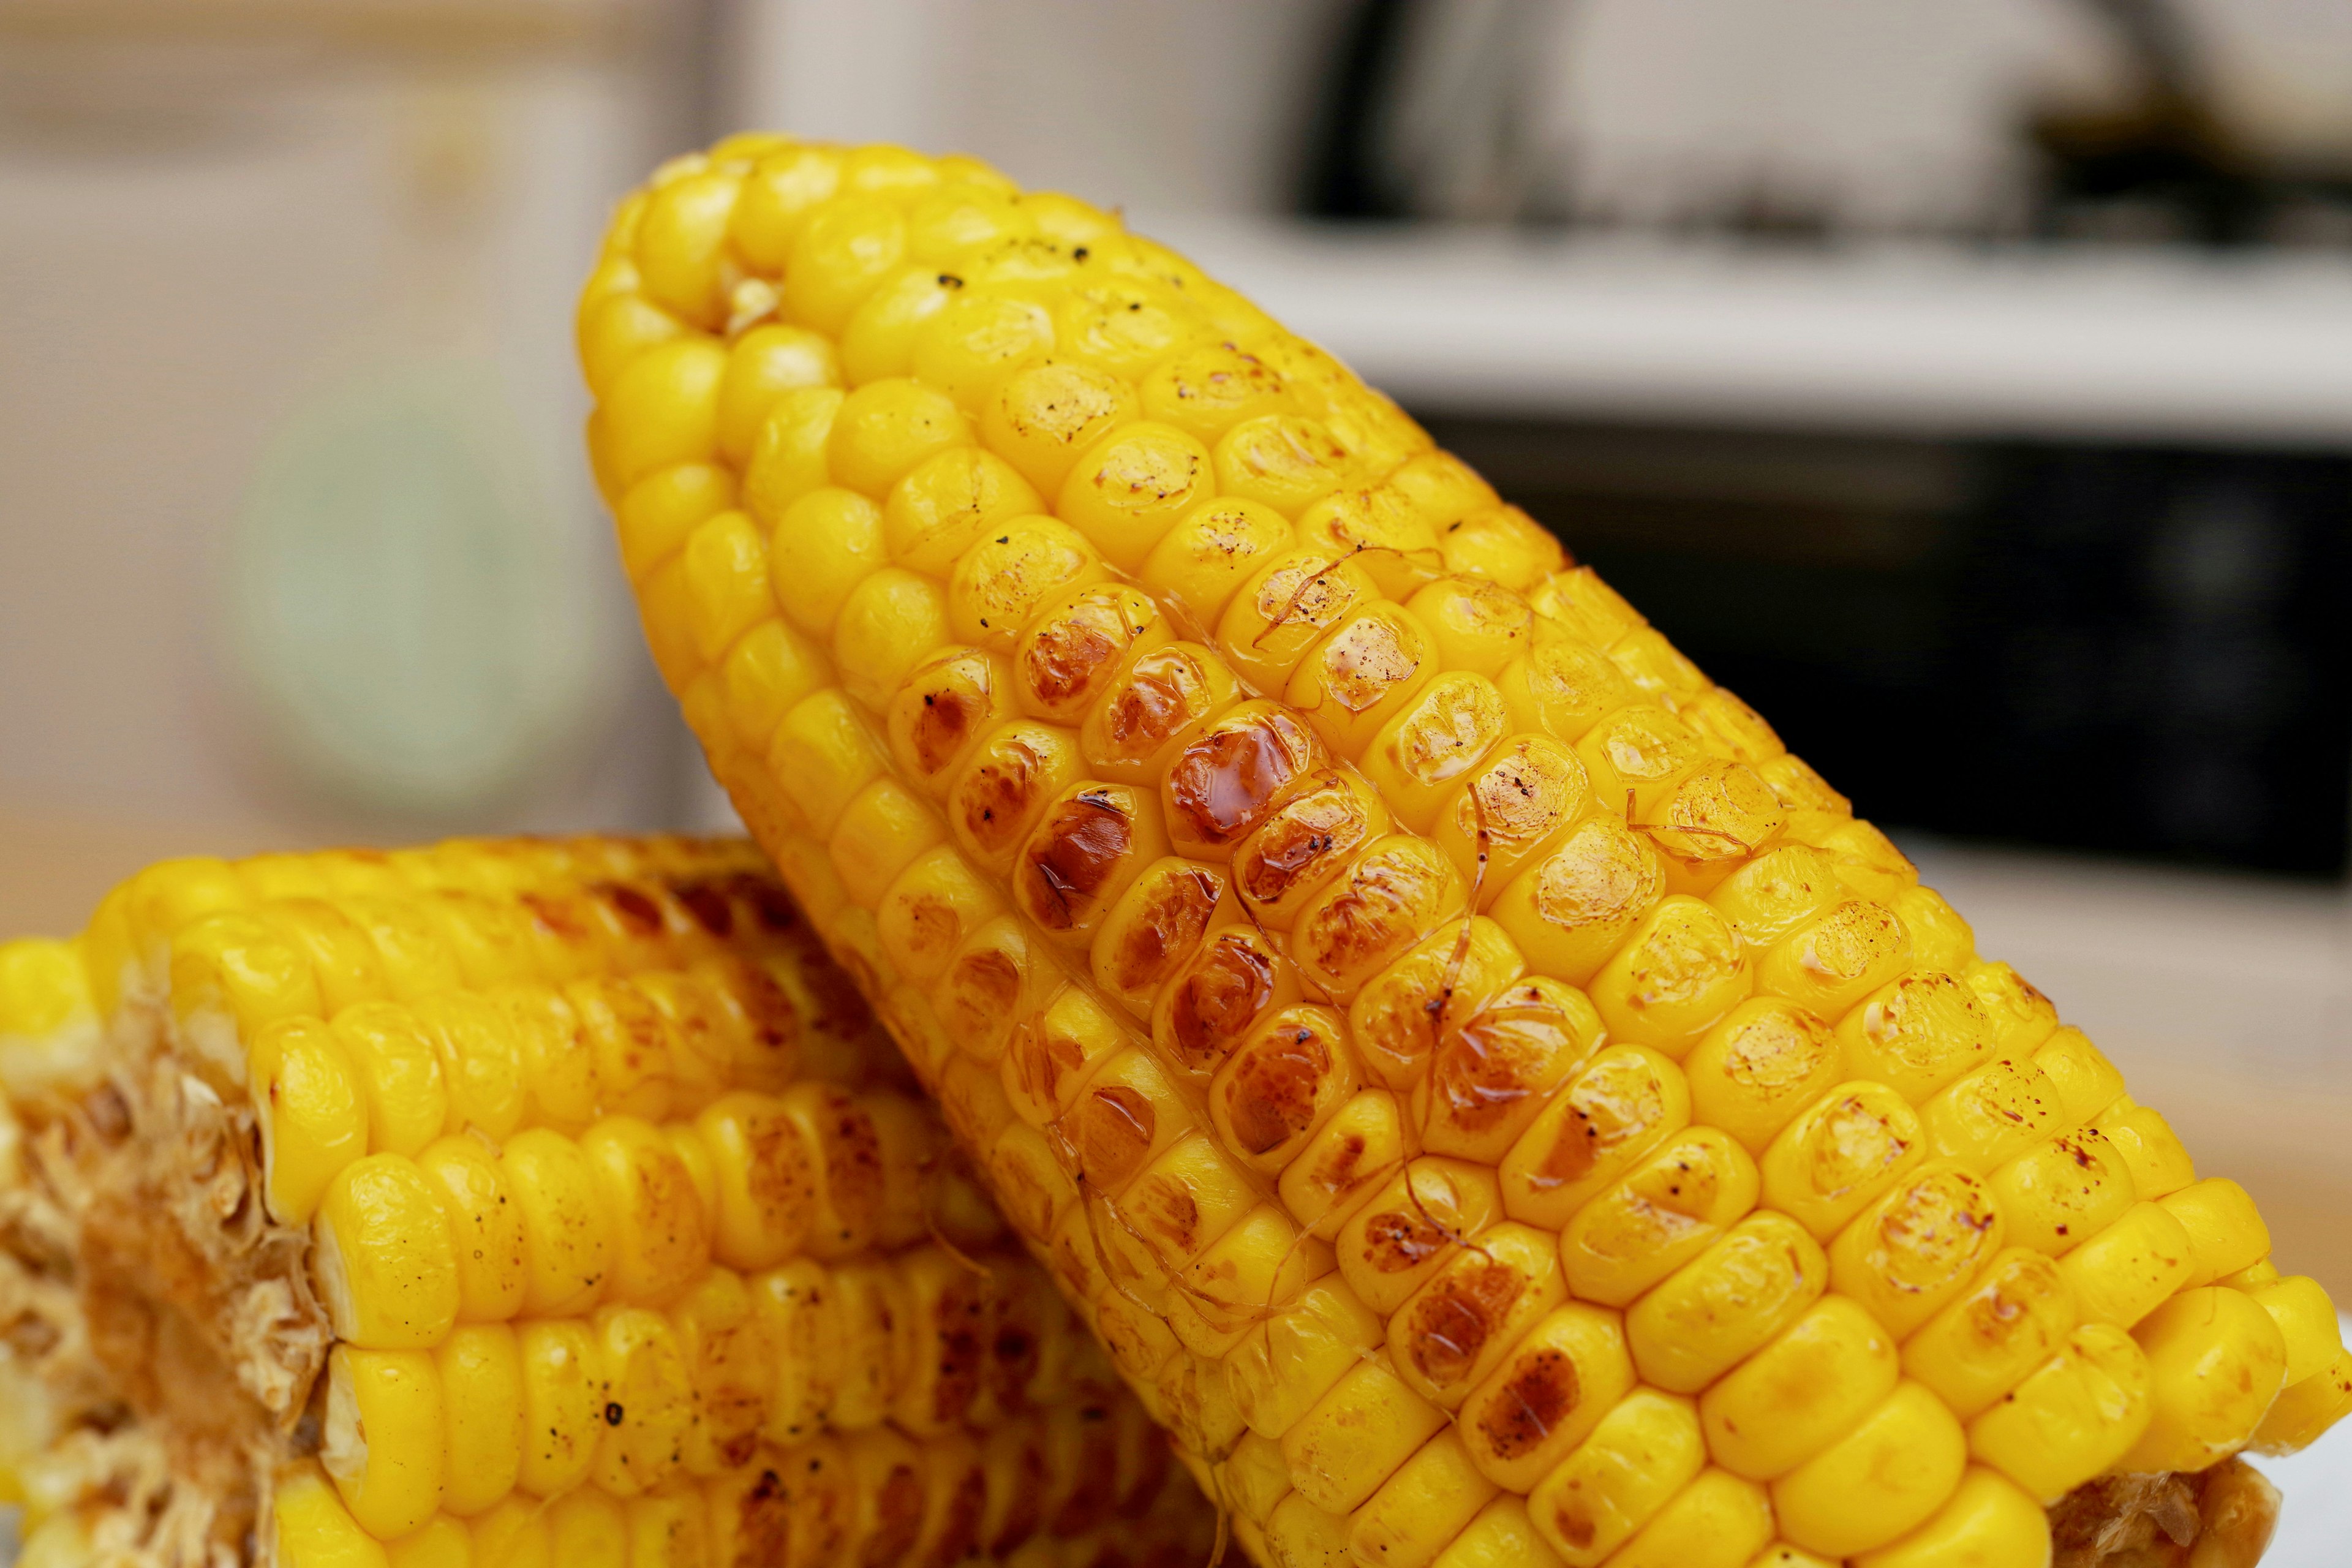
[(589, 1241), (1184, 738)]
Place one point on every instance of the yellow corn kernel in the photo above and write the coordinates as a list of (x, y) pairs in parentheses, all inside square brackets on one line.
[(1577, 906), (2304, 1410), (382, 1256), (1043, 416), (1727, 1302), (1778, 891), (1284, 608), (2307, 1322), (1512, 811), (662, 409), (1982, 1345), (1840, 1153), (1801, 1393), (1362, 673), (2225, 1230), (1546, 1396), (1617, 1108), (1918, 1034), (313, 1529), (1993, 1114), (443, 1544), (1917, 1248), (232, 972), (1280, 1368), (1356, 1436), (563, 1403), (2062, 1192), (514, 1534), (1987, 1523), (2071, 1418), (2216, 1360), (1421, 1508), (2120, 1275), (480, 1371), (1390, 898), (1664, 1212), (314, 1119), (383, 1443), (1753, 1072), (1501, 1536), (1940, 939), (827, 543), (669, 1529), (1879, 1482), (1451, 1332), (1130, 487), (1502, 544), (587, 1528), (2022, 1017), (567, 1237), (493, 1257), (1634, 754), (1435, 740), (839, 251), (763, 1177), (1836, 959), (1300, 1534), (1680, 969), (2086, 1082), (649, 1207), (341, 959), (1717, 1521), (790, 458), (648, 1401), (481, 1061), (1154, 928), (1561, 686), (1642, 1454), (2159, 1165)]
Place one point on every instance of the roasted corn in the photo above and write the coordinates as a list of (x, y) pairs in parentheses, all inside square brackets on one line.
[(516, 1202), (1497, 1103)]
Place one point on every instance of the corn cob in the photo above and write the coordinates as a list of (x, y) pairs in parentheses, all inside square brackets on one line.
[(1495, 1102), (522, 1203)]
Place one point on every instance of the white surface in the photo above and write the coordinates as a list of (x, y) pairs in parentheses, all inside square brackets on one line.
[(1905, 338)]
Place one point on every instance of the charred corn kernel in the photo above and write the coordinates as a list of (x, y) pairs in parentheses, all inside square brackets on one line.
[(1726, 1303), (2216, 1360), (2120, 1275), (383, 1260), (1546, 1396), (316, 1119), (1886, 1477), (1356, 1436), (1987, 1523), (1421, 1508), (1618, 1107), (2062, 1192), (1979, 1347), (1917, 1248), (1840, 1153), (2159, 1165), (2306, 1322), (2304, 1410), (1753, 1072), (1717, 1521), (313, 1529), (2225, 1230), (1451, 1332), (480, 1370), (1640, 1454), (1664, 1212), (1494, 1070), (2070, 1418), (1801, 1393), (384, 1442)]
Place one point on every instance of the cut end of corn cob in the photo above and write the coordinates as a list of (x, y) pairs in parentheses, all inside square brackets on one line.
[(529, 1202), (1496, 1103)]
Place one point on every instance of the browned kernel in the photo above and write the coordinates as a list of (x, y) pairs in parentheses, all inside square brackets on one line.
[(1305, 841), (1224, 782), (1453, 1321), (1072, 855), (1173, 911), (1072, 654), (1218, 1000), (1273, 1087), (1115, 1127), (1543, 1391)]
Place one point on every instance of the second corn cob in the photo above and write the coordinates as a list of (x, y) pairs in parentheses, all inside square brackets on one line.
[(516, 1203), (1498, 1104)]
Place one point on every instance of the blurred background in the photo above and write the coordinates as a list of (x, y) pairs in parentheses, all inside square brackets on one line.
[(1968, 386)]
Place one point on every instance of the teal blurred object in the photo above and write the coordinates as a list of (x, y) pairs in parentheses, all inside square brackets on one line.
[(405, 604)]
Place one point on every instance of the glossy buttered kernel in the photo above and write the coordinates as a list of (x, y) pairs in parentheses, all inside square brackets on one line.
[(1349, 870)]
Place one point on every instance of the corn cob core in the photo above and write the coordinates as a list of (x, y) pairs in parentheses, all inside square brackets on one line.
[(523, 1203), (1497, 1105)]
